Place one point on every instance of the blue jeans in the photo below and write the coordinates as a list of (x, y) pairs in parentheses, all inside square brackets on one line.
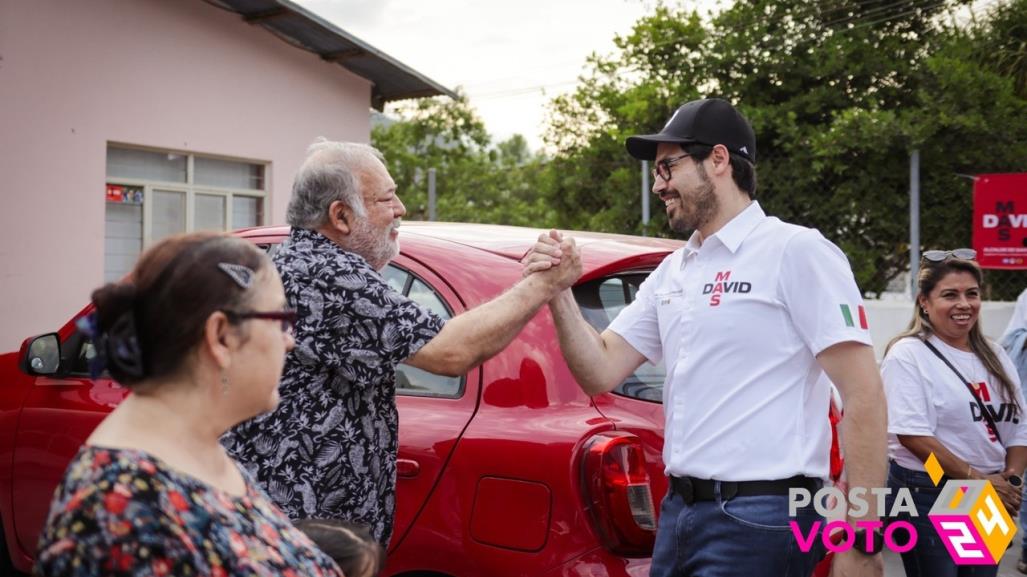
[(1023, 524), (743, 536), (929, 558)]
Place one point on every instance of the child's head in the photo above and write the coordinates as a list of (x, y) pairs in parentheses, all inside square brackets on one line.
[(349, 544)]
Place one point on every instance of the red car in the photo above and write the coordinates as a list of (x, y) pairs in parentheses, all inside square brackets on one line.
[(509, 470)]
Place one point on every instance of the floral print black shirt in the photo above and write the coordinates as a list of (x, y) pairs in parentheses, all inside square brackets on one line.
[(329, 449), (122, 512)]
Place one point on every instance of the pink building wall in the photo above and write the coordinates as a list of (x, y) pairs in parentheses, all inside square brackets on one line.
[(172, 74)]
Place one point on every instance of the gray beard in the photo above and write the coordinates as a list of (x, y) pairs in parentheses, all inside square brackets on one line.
[(377, 251)]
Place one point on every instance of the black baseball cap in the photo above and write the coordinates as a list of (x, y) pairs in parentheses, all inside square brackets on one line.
[(710, 121)]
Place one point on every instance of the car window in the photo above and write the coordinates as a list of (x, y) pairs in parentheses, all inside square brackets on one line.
[(600, 301), (270, 249), (423, 295), (86, 353), (412, 380), (78, 351), (397, 278)]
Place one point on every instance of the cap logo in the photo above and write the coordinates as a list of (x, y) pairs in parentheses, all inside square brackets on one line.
[(744, 149)]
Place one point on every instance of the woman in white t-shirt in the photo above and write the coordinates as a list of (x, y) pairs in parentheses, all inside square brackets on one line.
[(937, 408)]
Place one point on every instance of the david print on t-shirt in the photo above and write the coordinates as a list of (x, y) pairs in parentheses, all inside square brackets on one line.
[(1004, 413)]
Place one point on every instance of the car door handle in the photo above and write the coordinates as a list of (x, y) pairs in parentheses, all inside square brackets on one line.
[(407, 468)]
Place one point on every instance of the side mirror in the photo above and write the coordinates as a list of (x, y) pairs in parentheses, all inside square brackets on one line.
[(42, 356)]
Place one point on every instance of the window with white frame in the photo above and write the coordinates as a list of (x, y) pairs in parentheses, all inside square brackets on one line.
[(152, 194)]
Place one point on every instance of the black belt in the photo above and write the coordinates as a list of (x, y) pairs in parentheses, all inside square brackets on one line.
[(692, 489)]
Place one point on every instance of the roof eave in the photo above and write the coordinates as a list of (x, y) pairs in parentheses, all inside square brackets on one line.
[(435, 89), (354, 50)]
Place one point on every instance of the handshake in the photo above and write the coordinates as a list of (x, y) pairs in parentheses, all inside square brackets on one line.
[(555, 259)]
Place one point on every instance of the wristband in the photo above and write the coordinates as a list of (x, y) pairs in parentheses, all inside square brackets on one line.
[(874, 539)]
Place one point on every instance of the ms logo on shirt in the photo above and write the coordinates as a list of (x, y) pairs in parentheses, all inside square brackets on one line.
[(1006, 412), (721, 285)]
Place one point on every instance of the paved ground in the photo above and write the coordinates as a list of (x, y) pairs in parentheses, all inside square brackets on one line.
[(893, 565)]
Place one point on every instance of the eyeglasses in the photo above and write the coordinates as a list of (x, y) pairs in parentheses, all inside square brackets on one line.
[(287, 317), (941, 255), (662, 167)]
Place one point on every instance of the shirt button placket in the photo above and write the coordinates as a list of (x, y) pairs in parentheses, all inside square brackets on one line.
[(693, 286)]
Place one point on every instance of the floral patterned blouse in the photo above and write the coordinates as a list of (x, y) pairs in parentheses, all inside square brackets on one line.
[(124, 512)]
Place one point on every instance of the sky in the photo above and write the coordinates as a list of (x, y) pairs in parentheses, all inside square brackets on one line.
[(510, 57)]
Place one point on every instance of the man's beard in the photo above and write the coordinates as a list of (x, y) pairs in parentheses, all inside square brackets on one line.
[(375, 246), (702, 205)]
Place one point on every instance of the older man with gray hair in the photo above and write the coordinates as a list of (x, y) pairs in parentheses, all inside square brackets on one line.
[(329, 449)]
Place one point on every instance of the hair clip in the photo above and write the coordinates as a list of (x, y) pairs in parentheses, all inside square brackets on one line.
[(117, 347), (242, 275)]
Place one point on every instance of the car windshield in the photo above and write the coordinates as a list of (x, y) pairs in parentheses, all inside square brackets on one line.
[(600, 301)]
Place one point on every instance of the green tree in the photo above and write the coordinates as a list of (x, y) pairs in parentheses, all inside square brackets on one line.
[(971, 118), (838, 91), (1000, 43), (475, 181)]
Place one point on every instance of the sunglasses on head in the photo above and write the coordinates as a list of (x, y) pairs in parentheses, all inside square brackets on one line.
[(941, 255)]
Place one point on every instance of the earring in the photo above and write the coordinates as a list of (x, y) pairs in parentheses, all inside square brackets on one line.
[(224, 384)]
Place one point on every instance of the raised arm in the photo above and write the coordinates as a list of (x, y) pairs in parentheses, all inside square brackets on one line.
[(470, 338), (599, 361)]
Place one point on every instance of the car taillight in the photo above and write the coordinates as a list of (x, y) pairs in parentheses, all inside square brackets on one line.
[(617, 493)]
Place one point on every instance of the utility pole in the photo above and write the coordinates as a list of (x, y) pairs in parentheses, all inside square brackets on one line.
[(431, 194), (645, 197), (914, 221)]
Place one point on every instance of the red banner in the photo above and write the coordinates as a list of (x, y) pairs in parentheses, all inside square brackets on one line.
[(115, 193), (1000, 220)]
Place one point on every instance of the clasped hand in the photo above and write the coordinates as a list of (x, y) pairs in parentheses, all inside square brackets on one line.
[(555, 257)]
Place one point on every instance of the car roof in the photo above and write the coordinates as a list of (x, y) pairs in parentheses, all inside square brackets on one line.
[(511, 242)]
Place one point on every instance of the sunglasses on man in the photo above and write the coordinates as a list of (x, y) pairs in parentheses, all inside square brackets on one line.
[(662, 167)]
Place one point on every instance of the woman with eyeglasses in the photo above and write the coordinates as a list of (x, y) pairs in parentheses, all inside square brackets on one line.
[(955, 394), (198, 333)]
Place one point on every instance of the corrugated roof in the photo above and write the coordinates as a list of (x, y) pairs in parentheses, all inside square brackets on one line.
[(391, 79)]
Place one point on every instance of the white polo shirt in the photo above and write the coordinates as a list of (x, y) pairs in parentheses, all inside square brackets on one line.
[(739, 320)]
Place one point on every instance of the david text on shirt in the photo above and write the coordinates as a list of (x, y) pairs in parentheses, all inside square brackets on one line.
[(722, 284)]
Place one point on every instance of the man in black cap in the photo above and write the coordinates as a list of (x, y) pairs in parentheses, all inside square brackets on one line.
[(751, 317)]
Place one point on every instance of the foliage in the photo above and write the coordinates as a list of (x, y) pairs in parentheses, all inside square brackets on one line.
[(1000, 43), (475, 181), (972, 99), (838, 91)]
